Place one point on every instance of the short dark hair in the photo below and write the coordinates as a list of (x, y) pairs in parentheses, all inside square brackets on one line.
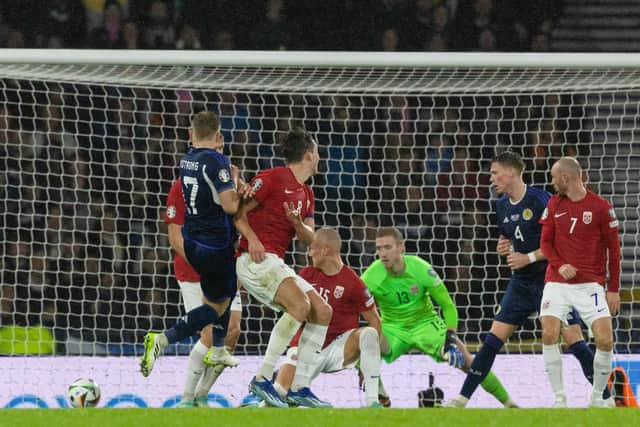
[(510, 159), (390, 232), (296, 144), (205, 124)]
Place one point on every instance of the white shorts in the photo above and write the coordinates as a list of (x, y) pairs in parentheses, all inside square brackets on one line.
[(263, 279), (330, 359), (192, 296), (587, 298)]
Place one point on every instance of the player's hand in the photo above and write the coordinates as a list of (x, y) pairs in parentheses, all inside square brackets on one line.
[(454, 357), (235, 173), (450, 351), (293, 213), (516, 260), (245, 190), (503, 247), (613, 301), (567, 271), (256, 251)]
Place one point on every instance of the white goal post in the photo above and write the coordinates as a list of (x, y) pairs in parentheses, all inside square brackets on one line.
[(90, 141)]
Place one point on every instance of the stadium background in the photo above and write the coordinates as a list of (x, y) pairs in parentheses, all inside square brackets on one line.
[(86, 168)]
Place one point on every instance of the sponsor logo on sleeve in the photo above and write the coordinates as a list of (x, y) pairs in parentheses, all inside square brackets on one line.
[(432, 272), (223, 175), (545, 213), (612, 213), (613, 224), (587, 217), (171, 212)]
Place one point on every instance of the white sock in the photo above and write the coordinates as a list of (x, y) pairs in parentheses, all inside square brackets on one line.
[(195, 368), (370, 363), (310, 345), (211, 374), (281, 391), (601, 369), (279, 339), (553, 368)]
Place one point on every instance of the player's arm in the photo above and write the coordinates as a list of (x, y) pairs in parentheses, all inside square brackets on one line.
[(241, 222), (609, 229), (547, 239), (373, 319), (176, 240), (450, 351), (303, 227), (441, 296), (517, 260), (230, 201)]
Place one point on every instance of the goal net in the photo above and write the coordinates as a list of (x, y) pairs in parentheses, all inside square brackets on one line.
[(90, 149)]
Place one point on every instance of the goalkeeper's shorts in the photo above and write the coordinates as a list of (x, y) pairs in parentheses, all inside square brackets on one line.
[(427, 336)]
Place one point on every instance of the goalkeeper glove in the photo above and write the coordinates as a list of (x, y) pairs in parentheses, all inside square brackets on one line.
[(450, 351)]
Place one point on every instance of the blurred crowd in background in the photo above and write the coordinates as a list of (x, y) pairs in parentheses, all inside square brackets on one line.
[(380, 25)]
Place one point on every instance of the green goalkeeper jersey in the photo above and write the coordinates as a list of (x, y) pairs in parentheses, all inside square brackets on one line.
[(405, 299)]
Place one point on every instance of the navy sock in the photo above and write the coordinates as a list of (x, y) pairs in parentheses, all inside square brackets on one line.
[(583, 353), (220, 329), (194, 321), (481, 364)]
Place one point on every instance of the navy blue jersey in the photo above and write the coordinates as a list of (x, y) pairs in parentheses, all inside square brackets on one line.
[(519, 223), (205, 173)]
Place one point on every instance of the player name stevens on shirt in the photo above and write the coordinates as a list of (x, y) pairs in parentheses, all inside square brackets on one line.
[(580, 233), (174, 214), (273, 187)]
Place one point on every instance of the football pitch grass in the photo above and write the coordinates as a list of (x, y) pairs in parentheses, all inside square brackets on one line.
[(260, 417)]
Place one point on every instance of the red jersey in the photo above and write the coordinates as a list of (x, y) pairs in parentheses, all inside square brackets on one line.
[(268, 220), (346, 293), (580, 233), (175, 215)]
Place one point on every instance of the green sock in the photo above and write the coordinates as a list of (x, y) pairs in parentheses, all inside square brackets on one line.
[(491, 384)]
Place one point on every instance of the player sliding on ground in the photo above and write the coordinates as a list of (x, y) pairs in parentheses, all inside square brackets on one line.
[(346, 342), (403, 287)]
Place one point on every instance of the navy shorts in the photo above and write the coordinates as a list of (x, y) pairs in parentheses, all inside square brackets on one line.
[(216, 267), (522, 298)]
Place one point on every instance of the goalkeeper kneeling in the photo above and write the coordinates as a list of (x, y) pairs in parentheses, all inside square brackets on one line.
[(404, 288)]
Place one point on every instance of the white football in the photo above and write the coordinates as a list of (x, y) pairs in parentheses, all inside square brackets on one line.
[(84, 393)]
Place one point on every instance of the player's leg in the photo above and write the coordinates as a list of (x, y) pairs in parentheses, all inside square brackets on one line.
[(603, 335), (577, 345), (490, 383), (478, 368), (515, 306), (310, 344), (592, 306), (192, 298), (217, 281), (211, 373), (192, 322), (263, 281), (555, 306), (364, 344), (287, 371)]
